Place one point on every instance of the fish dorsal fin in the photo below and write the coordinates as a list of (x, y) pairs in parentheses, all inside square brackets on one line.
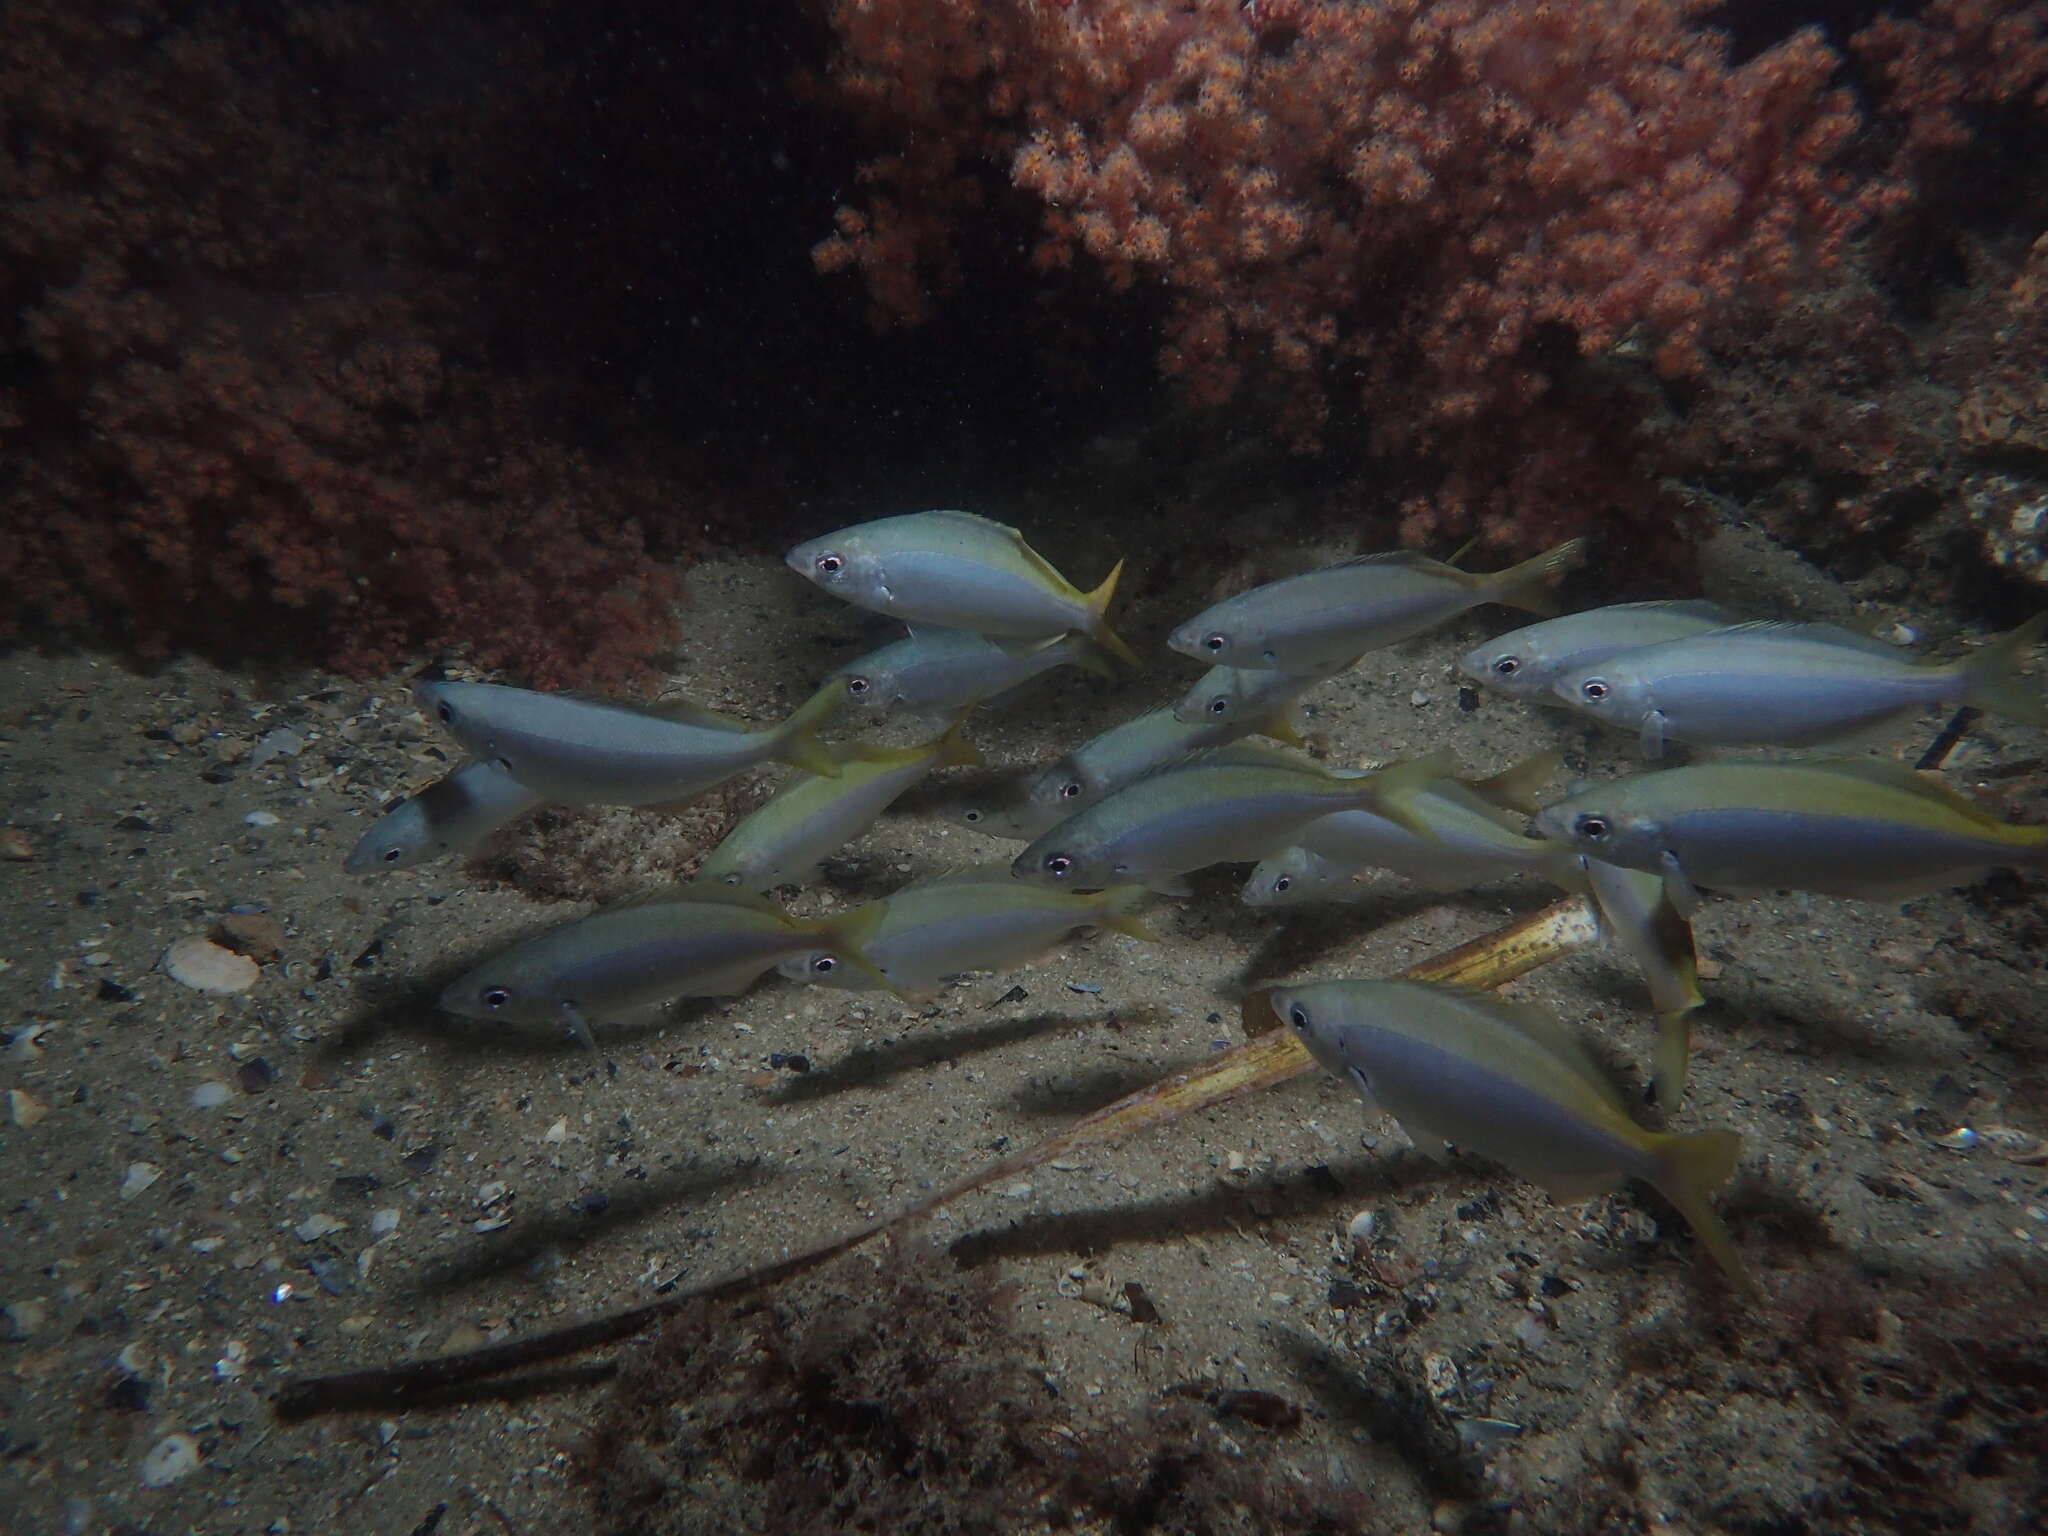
[(686, 712), (1821, 632), (1391, 557)]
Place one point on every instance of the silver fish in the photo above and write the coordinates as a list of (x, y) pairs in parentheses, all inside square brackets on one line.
[(1859, 827), (451, 816), (1464, 1068), (1212, 809), (810, 819), (1117, 757), (1524, 663), (577, 751), (1315, 621), (628, 959), (1224, 694), (943, 671), (1791, 685), (977, 920), (1469, 839), (959, 571)]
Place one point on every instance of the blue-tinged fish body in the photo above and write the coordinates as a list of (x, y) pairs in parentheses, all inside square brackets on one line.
[(980, 921), (451, 816), (958, 571), (1506, 1081), (577, 751), (1223, 694), (1322, 619), (1837, 826), (1789, 685), (1525, 663), (943, 671)]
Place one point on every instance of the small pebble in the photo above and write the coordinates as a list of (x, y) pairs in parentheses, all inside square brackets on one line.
[(317, 1226), (210, 1095), (384, 1222), (260, 819), (171, 1458), (15, 846), (23, 1108), (255, 934), (559, 1131), (197, 962), (138, 1178), (1016, 1191)]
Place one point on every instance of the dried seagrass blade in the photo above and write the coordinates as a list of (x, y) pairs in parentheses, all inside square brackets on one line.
[(1272, 1057)]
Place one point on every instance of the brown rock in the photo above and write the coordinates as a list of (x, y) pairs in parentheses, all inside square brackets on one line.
[(255, 934)]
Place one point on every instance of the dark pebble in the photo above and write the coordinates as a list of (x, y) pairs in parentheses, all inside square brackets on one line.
[(368, 957), (361, 1185), (591, 1202), (134, 824), (422, 1161), (112, 991), (87, 898), (1468, 700), (797, 1063), (128, 1394), (256, 1074), (1269, 1410), (1345, 1295)]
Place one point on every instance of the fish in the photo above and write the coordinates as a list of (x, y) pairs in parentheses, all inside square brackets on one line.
[(1854, 826), (806, 821), (578, 751), (1456, 1066), (1314, 621), (1223, 694), (976, 920), (1111, 760), (1793, 685), (958, 571), (1209, 809), (453, 815), (1638, 918), (1468, 838), (627, 959), (943, 671), (1525, 662)]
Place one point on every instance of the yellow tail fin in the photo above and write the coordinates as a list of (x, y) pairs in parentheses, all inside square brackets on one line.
[(849, 932), (1392, 791), (1098, 614), (1119, 911), (1279, 726), (1694, 1167), (1996, 686), (1515, 788), (799, 745), (1673, 1057), (1530, 585), (954, 750)]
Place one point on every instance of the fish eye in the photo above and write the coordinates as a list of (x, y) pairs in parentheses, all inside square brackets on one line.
[(447, 712), (830, 565), (393, 855), (1058, 865), (1281, 886), (857, 686), (1593, 690), (1506, 666), (824, 965), (1219, 705), (495, 998), (1215, 644), (1592, 828), (1298, 1016), (1070, 789), (970, 816)]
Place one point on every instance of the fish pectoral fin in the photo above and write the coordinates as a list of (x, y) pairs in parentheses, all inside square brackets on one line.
[(1572, 1188), (576, 1027), (1650, 739), (1679, 890), (1358, 1081)]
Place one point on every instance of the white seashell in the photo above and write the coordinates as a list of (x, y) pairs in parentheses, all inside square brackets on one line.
[(197, 962), (171, 1458)]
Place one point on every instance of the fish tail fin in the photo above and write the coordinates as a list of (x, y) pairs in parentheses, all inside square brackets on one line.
[(849, 933), (1995, 684), (1279, 726), (1515, 788), (798, 743), (1673, 1057), (1091, 656), (1695, 1166), (1098, 619), (1119, 912), (955, 750), (1531, 586), (1392, 791)]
